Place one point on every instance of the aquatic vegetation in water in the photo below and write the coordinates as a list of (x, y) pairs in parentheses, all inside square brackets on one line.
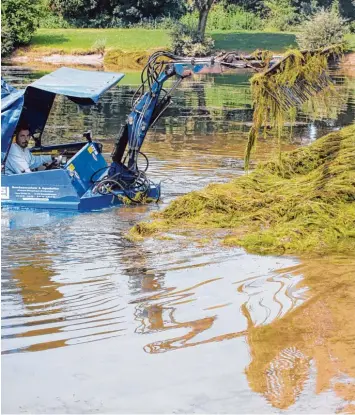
[(133, 60), (139, 197), (302, 203), (299, 78)]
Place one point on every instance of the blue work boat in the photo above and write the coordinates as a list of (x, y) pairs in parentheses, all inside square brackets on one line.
[(78, 181)]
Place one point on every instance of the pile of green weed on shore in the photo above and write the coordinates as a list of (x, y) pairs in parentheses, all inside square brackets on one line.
[(304, 203), (132, 60)]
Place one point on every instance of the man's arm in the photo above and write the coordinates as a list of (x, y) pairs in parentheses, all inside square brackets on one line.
[(37, 161)]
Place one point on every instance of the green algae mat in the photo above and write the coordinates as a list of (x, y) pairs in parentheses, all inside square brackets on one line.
[(302, 203)]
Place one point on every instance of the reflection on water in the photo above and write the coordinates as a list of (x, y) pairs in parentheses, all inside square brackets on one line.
[(321, 332), (70, 294), (296, 318), (203, 106), (188, 328)]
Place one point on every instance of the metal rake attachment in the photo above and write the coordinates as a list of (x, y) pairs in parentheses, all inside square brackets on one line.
[(294, 93), (300, 92)]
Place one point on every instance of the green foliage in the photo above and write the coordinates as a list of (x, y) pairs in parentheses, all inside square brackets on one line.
[(20, 18), (53, 21), (7, 40), (282, 14), (335, 7), (305, 9), (187, 41), (50, 19), (226, 17), (99, 46), (115, 13), (326, 28), (347, 9)]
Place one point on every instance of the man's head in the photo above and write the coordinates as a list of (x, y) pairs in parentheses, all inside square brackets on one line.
[(23, 136)]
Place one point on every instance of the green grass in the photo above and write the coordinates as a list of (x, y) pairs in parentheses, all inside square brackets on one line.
[(144, 39), (248, 41), (48, 41), (350, 38), (83, 39)]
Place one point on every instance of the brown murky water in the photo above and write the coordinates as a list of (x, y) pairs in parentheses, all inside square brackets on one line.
[(92, 322)]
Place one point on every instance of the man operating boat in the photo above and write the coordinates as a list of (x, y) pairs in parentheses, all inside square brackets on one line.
[(20, 159)]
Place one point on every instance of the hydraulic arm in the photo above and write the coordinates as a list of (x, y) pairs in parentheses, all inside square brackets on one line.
[(151, 100)]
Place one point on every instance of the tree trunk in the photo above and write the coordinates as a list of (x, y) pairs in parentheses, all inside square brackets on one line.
[(202, 18)]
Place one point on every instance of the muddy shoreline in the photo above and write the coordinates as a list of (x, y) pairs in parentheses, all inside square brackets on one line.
[(119, 59), (59, 59)]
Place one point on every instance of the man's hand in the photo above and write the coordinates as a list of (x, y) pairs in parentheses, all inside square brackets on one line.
[(54, 163)]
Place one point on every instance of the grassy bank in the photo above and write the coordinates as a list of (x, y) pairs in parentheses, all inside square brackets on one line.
[(82, 40), (304, 204), (129, 49), (128, 40)]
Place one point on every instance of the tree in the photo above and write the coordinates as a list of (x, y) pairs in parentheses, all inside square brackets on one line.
[(203, 7), (282, 13), (19, 20), (346, 7), (7, 40), (107, 12), (187, 41), (21, 17)]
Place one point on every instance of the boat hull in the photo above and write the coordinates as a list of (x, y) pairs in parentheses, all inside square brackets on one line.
[(68, 188)]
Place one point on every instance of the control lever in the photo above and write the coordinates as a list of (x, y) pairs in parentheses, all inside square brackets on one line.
[(88, 135)]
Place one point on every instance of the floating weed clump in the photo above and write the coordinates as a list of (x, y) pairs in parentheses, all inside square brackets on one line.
[(302, 204), (133, 60), (299, 78)]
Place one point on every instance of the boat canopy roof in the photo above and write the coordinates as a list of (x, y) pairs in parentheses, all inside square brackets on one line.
[(33, 104), (82, 87)]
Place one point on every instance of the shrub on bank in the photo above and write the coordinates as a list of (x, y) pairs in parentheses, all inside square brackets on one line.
[(327, 27), (186, 41)]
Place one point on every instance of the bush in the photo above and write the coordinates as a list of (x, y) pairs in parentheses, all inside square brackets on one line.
[(154, 23), (7, 40), (21, 18), (99, 46), (50, 20), (325, 28), (307, 9), (226, 17), (282, 14), (186, 41)]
